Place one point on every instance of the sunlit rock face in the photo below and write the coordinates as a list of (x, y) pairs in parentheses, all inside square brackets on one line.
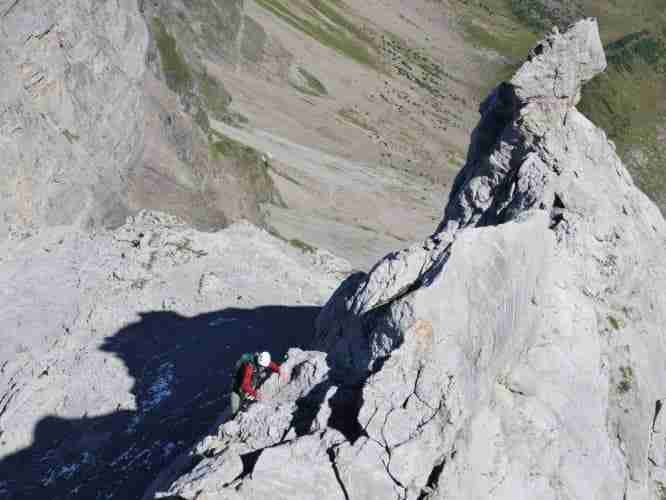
[(517, 353), (71, 111)]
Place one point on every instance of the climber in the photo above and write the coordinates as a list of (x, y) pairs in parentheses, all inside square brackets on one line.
[(251, 369)]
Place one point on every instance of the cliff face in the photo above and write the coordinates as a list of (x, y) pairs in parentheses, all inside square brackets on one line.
[(105, 110), (71, 111), (542, 296), (517, 353)]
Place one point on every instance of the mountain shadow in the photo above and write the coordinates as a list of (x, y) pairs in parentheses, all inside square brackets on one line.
[(182, 371)]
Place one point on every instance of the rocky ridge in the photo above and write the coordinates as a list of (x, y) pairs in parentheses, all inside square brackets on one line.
[(517, 353)]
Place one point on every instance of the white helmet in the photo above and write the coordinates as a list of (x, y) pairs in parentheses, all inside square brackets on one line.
[(264, 359)]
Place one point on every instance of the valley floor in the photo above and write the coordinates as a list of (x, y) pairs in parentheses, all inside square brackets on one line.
[(356, 210)]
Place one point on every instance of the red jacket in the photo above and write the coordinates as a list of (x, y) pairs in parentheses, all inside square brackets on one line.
[(246, 381)]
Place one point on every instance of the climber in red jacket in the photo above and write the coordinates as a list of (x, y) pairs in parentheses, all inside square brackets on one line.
[(251, 369)]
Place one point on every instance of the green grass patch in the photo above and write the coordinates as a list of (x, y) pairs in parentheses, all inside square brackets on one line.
[(540, 15), (247, 164), (302, 246), (175, 68), (356, 118), (313, 83), (627, 379), (294, 242), (627, 102), (616, 18), (214, 95), (70, 136), (223, 146), (636, 49), (307, 83), (414, 64), (340, 37), (507, 37), (511, 27), (493, 25), (614, 322), (326, 9)]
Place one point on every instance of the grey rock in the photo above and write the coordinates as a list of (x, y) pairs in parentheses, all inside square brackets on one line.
[(550, 236), (210, 475), (113, 365), (560, 64), (105, 111), (71, 111), (517, 353)]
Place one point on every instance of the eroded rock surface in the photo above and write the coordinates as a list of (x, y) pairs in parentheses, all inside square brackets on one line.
[(105, 111), (117, 346), (518, 353), (71, 111)]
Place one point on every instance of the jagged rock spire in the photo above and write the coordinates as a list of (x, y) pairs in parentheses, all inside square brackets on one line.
[(559, 65)]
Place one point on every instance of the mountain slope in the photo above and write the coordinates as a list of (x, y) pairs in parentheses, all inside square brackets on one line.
[(372, 83)]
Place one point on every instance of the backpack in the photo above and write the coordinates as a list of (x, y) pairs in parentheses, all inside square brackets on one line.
[(248, 357)]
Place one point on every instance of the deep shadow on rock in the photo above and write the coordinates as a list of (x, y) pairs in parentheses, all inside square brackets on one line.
[(182, 368)]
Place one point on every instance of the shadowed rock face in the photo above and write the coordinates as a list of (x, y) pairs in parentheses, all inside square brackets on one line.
[(517, 353)]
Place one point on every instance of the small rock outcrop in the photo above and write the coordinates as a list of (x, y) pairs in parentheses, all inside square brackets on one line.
[(518, 353)]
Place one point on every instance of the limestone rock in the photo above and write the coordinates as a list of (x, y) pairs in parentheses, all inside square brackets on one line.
[(113, 365), (104, 112), (517, 353), (71, 122), (560, 64), (531, 324), (210, 475)]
